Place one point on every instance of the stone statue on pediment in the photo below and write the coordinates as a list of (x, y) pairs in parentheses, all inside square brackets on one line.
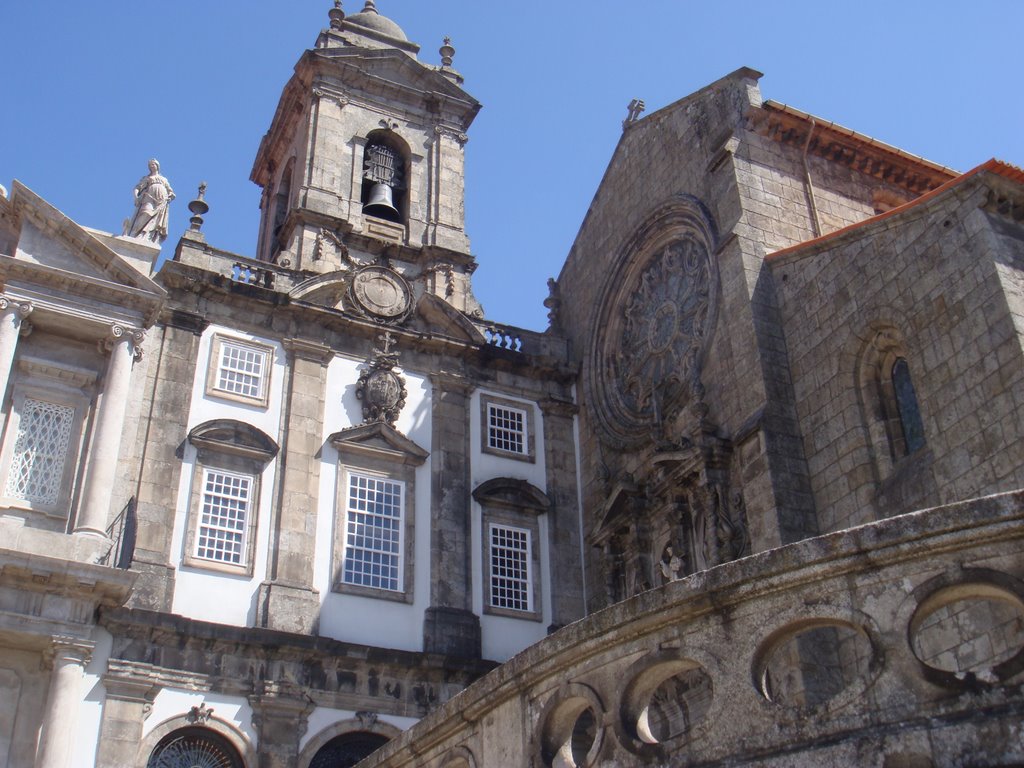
[(153, 195)]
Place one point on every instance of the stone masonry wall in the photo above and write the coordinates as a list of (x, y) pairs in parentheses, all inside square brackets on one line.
[(926, 279)]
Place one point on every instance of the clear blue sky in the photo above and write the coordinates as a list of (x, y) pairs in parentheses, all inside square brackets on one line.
[(92, 90)]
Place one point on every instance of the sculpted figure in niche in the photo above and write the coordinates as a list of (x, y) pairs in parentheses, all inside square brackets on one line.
[(671, 565), (153, 195)]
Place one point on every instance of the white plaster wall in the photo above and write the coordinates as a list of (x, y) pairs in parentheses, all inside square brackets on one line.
[(90, 713), (503, 637), (352, 618), (209, 595), (174, 702), (322, 718)]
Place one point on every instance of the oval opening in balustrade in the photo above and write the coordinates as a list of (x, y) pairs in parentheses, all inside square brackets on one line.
[(975, 629), (666, 700), (812, 664), (570, 736)]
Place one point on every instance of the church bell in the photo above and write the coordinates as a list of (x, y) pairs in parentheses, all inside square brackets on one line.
[(381, 203)]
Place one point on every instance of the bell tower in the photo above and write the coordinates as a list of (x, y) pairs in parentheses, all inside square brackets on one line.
[(364, 158)]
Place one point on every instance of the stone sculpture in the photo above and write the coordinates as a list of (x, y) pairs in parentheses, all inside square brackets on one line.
[(153, 195)]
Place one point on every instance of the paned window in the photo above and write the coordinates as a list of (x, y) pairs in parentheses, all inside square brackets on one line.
[(241, 370), (373, 533), (510, 567), (506, 428), (40, 452), (224, 517)]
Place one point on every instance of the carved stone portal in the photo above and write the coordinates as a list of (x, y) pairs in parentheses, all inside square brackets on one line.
[(381, 390)]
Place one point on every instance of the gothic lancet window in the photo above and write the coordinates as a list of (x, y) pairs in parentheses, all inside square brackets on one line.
[(907, 410)]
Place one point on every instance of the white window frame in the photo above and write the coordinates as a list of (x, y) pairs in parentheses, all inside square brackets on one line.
[(396, 558), (492, 443), (220, 345), (202, 526), (525, 586)]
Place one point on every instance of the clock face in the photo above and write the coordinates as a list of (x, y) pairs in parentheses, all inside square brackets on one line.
[(381, 293)]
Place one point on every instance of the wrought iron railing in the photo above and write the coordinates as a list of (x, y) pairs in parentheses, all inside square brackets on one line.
[(122, 532)]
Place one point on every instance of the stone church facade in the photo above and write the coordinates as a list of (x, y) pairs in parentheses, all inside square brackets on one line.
[(753, 497)]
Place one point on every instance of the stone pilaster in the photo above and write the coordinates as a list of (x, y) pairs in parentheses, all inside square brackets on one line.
[(563, 520), (288, 600), (450, 626), (169, 389), (124, 345), (125, 709), (12, 314), (281, 717), (68, 655)]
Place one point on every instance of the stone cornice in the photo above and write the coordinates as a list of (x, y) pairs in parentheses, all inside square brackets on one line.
[(840, 145)]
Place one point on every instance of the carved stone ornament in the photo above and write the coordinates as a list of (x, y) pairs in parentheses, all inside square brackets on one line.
[(657, 315), (200, 714), (381, 390), (381, 294)]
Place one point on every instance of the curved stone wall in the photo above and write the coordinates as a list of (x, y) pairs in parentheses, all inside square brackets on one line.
[(899, 643)]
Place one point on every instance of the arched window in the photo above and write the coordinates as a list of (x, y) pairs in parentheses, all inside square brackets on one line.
[(888, 398), (282, 203), (346, 750), (195, 748), (384, 177), (907, 411)]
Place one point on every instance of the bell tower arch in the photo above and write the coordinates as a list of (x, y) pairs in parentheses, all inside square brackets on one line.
[(365, 155)]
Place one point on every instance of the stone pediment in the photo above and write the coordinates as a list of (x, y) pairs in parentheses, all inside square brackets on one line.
[(436, 316), (233, 437), (513, 493), (61, 264), (378, 440), (397, 69), (430, 315)]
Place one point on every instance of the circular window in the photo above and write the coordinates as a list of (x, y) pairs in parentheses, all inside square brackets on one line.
[(810, 666), (194, 748), (975, 629), (657, 314)]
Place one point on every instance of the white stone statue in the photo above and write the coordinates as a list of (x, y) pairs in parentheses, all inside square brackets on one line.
[(153, 195), (671, 565)]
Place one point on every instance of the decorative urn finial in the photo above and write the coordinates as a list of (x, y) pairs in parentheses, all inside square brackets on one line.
[(447, 52), (336, 15), (370, 7), (198, 208)]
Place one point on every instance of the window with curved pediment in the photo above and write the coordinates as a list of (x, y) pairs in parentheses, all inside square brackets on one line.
[(510, 525), (223, 512)]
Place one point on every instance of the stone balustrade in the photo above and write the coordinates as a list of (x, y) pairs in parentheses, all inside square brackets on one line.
[(898, 643)]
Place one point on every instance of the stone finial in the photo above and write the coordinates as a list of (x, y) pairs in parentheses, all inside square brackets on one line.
[(370, 7), (198, 207), (447, 52), (336, 15), (635, 109)]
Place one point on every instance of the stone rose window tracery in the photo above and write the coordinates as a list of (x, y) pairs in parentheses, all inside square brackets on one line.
[(655, 320)]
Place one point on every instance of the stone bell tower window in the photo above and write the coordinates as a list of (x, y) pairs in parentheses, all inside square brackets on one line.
[(383, 180)]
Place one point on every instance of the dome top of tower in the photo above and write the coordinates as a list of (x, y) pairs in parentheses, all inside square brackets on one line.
[(370, 18)]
